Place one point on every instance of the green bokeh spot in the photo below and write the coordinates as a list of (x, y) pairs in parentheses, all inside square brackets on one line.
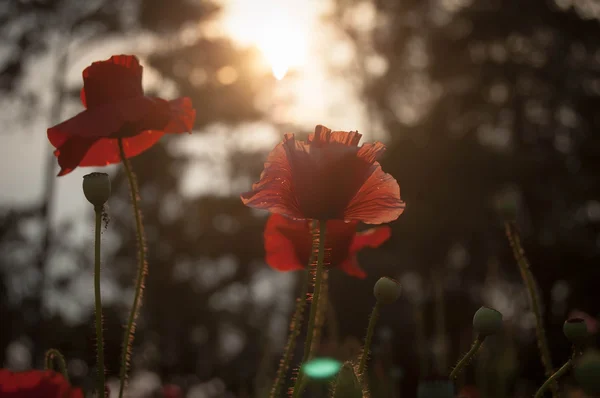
[(322, 368)]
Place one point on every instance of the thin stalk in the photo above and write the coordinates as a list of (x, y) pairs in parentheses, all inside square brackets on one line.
[(98, 301), (519, 254), (53, 354), (553, 379), (467, 358), (295, 326), (321, 313), (299, 385), (142, 270), (368, 339)]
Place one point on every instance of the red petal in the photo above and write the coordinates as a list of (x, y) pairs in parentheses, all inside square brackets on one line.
[(350, 266), (285, 240), (80, 151), (377, 201), (274, 191), (115, 79), (86, 139), (372, 237), (323, 135), (35, 383), (183, 116)]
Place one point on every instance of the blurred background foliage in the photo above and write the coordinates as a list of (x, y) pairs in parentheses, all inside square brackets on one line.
[(488, 110)]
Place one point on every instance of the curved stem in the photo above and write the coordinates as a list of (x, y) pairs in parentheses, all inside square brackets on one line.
[(519, 254), (369, 338), (467, 358), (49, 358), (295, 325), (142, 270), (299, 385), (553, 379), (98, 301)]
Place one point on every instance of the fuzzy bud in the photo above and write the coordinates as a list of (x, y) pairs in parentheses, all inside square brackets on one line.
[(587, 372), (487, 321), (386, 290), (347, 384), (575, 330), (96, 188)]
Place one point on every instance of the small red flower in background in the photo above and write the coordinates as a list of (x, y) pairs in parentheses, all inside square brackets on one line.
[(288, 243), (116, 108), (329, 177), (171, 391), (36, 384)]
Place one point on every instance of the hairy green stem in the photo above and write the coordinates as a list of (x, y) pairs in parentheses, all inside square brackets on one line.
[(553, 379), (321, 313), (98, 302), (299, 385), (519, 254), (142, 270), (53, 354), (368, 339), (295, 326), (467, 358)]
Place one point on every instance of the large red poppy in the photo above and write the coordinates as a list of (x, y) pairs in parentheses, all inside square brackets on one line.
[(116, 108), (329, 177), (36, 384), (288, 243)]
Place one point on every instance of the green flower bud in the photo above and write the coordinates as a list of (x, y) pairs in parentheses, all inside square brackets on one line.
[(487, 321), (96, 188), (386, 290), (347, 384), (575, 330), (587, 372)]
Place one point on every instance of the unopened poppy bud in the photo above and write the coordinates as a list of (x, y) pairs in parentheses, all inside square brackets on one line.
[(587, 372), (347, 384), (386, 290), (96, 188), (487, 321), (575, 330)]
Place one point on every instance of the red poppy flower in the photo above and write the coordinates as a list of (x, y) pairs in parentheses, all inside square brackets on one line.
[(36, 384), (288, 243), (329, 177), (116, 108)]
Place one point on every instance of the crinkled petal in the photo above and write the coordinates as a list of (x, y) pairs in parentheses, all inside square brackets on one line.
[(80, 151), (377, 201), (280, 245), (370, 153), (274, 191), (372, 237), (115, 79), (323, 135)]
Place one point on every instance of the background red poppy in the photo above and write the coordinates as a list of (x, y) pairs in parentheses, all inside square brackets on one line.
[(36, 384), (116, 108)]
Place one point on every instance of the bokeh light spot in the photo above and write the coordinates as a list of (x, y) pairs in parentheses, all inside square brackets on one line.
[(322, 368)]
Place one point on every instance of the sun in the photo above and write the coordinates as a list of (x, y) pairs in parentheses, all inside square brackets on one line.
[(279, 29)]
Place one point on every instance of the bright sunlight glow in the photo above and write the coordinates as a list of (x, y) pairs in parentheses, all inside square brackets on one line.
[(279, 29)]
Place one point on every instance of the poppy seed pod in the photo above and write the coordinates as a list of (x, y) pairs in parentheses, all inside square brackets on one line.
[(575, 330), (347, 384), (587, 372), (96, 188), (386, 290), (487, 321)]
